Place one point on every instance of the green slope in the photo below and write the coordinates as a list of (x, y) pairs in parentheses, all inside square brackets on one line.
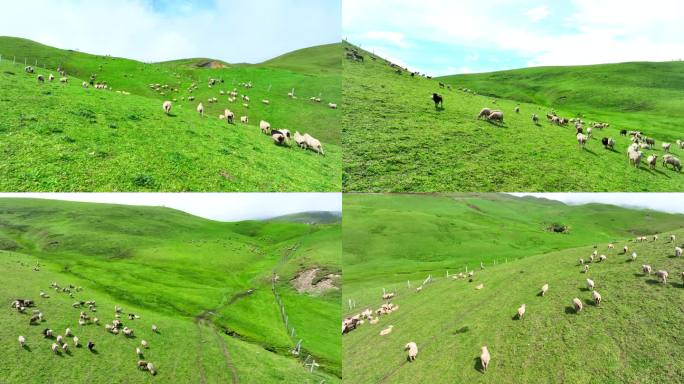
[(395, 140), (188, 270), (65, 138), (632, 337)]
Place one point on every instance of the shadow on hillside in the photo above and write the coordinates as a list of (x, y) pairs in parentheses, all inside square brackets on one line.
[(27, 348), (585, 289), (461, 330), (653, 282), (500, 125), (94, 352), (570, 310), (477, 365), (172, 115), (590, 302), (672, 257), (590, 151)]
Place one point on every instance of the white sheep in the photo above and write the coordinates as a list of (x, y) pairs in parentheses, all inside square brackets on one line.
[(602, 258), (138, 351), (662, 275), (634, 256), (635, 158), (22, 341), (265, 127), (581, 140), (229, 115), (666, 147), (412, 349), (673, 238), (76, 341), (200, 109), (386, 331), (581, 261), (586, 268), (577, 304), (144, 344), (59, 339), (265, 101), (484, 358), (521, 312), (154, 328), (166, 107), (55, 348), (244, 119), (67, 332), (313, 144), (51, 77), (646, 268), (150, 367), (332, 105), (597, 297), (590, 284), (652, 160), (678, 251), (544, 289)]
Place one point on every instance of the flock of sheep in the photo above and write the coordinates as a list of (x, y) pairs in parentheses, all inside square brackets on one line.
[(352, 322), (279, 136), (60, 345)]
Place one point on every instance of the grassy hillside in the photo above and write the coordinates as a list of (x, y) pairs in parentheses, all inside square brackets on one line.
[(632, 337), (395, 139), (60, 137), (316, 217), (211, 278)]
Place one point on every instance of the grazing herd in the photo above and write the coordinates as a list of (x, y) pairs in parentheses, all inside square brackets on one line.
[(280, 136), (59, 342), (411, 348)]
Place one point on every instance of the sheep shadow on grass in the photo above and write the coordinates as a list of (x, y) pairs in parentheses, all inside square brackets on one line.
[(463, 329), (477, 365), (589, 151), (590, 302), (653, 282), (26, 348), (585, 289), (494, 123), (570, 310), (94, 351)]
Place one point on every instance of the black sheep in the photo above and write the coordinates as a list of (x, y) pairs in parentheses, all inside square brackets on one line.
[(439, 102)]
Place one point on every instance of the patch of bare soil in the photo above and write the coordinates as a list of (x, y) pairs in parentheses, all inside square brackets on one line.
[(309, 281)]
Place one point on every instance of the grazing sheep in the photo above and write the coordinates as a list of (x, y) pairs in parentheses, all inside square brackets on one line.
[(577, 304), (597, 297), (265, 101), (608, 143), (544, 289), (150, 367), (244, 119), (229, 116), (669, 159), (485, 112), (332, 105), (300, 140), (673, 238), (581, 261), (625, 249), (517, 109), (666, 147), (280, 136), (581, 140), (64, 80), (75, 340), (496, 116), (678, 251), (438, 100), (313, 144), (521, 312), (634, 256), (652, 160), (412, 349), (155, 329), (166, 107), (128, 332), (142, 365), (265, 127), (144, 344), (41, 79), (138, 351), (84, 84), (646, 268), (484, 358), (22, 341), (602, 258), (51, 77), (590, 284), (386, 331), (662, 275), (635, 158), (55, 348), (28, 69), (65, 347), (535, 118), (91, 345), (59, 339), (591, 258), (200, 109)]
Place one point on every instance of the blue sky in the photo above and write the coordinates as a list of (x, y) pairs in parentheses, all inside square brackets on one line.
[(156, 30), (445, 37), (214, 206)]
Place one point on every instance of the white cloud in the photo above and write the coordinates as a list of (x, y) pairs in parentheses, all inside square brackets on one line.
[(231, 30), (538, 13), (394, 38), (215, 206), (573, 32), (664, 202)]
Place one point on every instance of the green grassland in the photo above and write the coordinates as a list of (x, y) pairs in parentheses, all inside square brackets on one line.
[(206, 284), (395, 140), (632, 337), (58, 137)]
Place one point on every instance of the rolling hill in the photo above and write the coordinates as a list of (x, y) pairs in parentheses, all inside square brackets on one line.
[(209, 286), (395, 140), (62, 137), (632, 337)]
